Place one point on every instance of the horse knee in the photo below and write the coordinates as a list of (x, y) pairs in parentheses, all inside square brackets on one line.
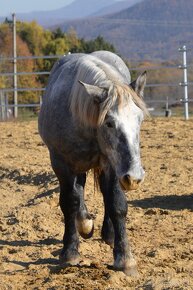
[(69, 202)]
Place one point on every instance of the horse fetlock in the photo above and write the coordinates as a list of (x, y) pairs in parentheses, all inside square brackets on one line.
[(107, 234), (126, 264), (69, 258), (85, 227), (108, 240)]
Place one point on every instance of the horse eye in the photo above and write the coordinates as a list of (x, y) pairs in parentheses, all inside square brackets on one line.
[(109, 124)]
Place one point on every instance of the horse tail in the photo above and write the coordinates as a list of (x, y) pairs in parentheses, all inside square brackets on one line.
[(96, 174)]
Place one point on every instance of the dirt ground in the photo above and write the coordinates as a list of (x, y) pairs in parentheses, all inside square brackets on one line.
[(159, 222)]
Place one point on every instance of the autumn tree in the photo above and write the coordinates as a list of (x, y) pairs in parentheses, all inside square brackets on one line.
[(58, 45), (34, 35), (73, 41), (26, 65), (33, 40)]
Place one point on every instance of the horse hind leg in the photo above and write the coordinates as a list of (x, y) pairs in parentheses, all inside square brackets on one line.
[(84, 222), (107, 232)]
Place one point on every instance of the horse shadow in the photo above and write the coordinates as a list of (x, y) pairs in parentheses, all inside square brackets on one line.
[(47, 261), (165, 202), (41, 179), (45, 193), (26, 243)]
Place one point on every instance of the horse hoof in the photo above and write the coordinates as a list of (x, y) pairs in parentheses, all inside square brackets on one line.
[(129, 267), (131, 272), (85, 228), (66, 260)]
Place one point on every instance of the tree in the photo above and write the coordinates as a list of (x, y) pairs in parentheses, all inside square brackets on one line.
[(92, 45), (73, 41), (22, 66), (32, 39), (57, 33), (34, 35), (36, 39)]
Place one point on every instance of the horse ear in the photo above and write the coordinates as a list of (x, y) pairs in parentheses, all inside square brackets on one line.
[(96, 92), (139, 84)]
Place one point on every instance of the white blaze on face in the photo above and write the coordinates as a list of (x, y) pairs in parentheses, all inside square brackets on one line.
[(129, 119), (123, 151)]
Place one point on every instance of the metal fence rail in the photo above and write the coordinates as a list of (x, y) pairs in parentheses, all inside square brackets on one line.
[(11, 58)]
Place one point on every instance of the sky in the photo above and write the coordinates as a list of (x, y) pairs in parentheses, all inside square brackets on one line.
[(7, 7)]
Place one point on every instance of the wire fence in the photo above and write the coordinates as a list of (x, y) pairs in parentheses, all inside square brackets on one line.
[(7, 108)]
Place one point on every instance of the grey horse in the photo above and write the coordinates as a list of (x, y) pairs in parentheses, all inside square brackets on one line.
[(90, 119)]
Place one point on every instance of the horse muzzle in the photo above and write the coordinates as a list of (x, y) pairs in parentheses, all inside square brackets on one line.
[(129, 183)]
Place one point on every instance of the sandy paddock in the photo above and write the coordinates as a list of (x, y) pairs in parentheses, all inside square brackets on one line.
[(159, 222)]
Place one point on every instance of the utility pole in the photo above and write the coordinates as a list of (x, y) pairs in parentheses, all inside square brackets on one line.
[(185, 82), (15, 67)]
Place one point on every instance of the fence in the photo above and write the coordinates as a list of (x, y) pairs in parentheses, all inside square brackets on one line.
[(13, 108), (7, 110)]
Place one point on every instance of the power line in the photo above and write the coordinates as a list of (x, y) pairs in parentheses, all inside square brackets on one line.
[(146, 22)]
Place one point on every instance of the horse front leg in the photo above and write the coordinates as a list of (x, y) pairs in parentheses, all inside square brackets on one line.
[(69, 204), (84, 222), (116, 205)]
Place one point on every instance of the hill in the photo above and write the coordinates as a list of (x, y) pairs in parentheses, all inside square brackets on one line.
[(151, 29), (118, 6), (78, 9), (159, 10)]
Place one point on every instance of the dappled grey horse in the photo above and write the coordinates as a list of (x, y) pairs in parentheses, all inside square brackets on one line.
[(90, 119)]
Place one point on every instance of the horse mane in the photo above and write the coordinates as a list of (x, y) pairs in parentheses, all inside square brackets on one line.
[(93, 71)]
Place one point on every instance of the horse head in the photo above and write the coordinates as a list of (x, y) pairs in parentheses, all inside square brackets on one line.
[(120, 110)]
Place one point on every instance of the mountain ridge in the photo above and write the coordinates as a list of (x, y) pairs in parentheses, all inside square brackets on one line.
[(78, 9), (161, 10), (149, 29), (118, 6)]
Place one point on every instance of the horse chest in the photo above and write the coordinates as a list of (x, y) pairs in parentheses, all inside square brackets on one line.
[(82, 155)]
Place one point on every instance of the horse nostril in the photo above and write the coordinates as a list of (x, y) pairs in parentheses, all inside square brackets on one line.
[(136, 181), (132, 179), (129, 182), (127, 176)]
